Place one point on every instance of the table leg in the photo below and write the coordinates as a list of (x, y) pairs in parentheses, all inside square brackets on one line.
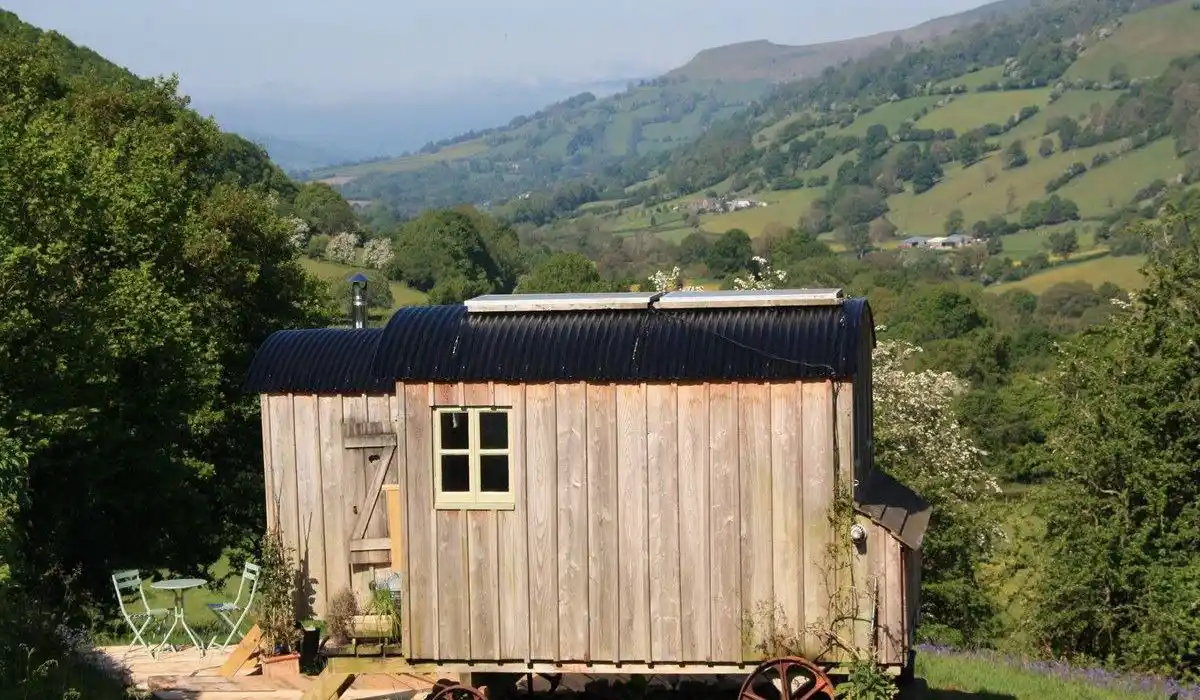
[(183, 620), (174, 622)]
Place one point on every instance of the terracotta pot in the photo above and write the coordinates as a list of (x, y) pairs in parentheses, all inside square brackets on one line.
[(280, 666)]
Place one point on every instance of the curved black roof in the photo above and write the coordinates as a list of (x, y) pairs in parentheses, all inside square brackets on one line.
[(446, 343)]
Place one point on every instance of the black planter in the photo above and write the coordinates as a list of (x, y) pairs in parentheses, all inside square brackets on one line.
[(309, 644)]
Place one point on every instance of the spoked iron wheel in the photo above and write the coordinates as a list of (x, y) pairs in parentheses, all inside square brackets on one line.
[(449, 690), (789, 678)]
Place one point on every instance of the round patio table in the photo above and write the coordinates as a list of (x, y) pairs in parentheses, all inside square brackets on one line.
[(178, 586)]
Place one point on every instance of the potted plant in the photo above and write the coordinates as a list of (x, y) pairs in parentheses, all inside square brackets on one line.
[(382, 618), (279, 651), (339, 621)]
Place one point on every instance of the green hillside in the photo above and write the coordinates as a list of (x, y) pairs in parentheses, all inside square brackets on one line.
[(1143, 45), (839, 168), (571, 139)]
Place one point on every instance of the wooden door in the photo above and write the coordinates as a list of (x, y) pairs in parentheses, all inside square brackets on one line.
[(370, 461)]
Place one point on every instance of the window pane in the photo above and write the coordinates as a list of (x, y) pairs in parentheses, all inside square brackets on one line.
[(493, 473), (455, 435), (493, 430), (456, 473)]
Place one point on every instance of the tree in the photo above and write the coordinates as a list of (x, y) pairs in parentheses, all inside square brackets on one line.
[(955, 221), (1046, 147), (920, 441), (1010, 200), (693, 248), (1063, 243), (378, 293), (882, 230), (562, 273), (138, 282), (1014, 156), (730, 253), (448, 244), (343, 248), (324, 209), (1121, 564)]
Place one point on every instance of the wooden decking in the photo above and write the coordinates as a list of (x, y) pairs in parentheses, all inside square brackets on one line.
[(186, 675)]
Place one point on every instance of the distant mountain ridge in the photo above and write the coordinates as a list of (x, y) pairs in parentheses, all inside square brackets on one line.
[(765, 60)]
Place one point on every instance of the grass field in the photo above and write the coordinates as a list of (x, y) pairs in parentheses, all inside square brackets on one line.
[(1019, 246), (1105, 189), (458, 151), (890, 114), (1145, 44), (968, 189), (979, 108), (1122, 271), (980, 77), (958, 676), (783, 207), (332, 272)]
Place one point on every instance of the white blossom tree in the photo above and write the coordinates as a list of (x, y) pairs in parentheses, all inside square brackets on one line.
[(343, 248), (300, 232), (917, 434), (670, 281), (377, 253), (762, 278)]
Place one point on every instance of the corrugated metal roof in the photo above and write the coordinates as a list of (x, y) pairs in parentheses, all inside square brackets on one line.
[(895, 507), (320, 360), (445, 343)]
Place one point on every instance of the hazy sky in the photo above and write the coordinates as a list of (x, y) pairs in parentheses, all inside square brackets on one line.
[(332, 50)]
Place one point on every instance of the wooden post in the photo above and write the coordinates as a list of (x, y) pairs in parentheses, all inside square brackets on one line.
[(243, 652)]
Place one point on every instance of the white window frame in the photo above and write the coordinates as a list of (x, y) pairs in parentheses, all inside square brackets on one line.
[(474, 499)]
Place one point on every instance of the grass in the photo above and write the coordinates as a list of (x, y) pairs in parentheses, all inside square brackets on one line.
[(1105, 189), (890, 114), (957, 676), (1023, 244), (783, 207), (458, 151), (968, 189), (332, 272), (1123, 271), (966, 112), (1077, 104), (1145, 44), (974, 80)]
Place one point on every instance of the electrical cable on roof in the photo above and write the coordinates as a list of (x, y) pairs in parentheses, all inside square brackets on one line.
[(757, 351)]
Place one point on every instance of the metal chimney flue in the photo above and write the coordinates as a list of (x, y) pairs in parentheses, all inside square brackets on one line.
[(358, 300)]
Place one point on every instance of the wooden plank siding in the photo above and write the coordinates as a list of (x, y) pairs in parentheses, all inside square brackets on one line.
[(651, 520)]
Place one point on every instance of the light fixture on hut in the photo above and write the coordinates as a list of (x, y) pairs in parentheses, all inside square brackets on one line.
[(358, 301)]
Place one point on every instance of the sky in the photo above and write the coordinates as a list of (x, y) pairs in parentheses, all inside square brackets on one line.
[(328, 51)]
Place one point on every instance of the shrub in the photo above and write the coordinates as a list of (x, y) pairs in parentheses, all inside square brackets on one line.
[(342, 609)]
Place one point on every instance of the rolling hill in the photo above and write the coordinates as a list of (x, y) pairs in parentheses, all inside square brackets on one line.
[(764, 60), (1105, 146)]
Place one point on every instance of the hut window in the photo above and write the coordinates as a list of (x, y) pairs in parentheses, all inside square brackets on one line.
[(472, 465)]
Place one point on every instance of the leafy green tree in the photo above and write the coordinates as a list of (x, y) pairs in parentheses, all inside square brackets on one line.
[(1015, 156), (955, 222), (324, 209), (730, 253), (1046, 147), (562, 273), (694, 248), (1121, 567), (378, 294), (1063, 243), (138, 282), (442, 244)]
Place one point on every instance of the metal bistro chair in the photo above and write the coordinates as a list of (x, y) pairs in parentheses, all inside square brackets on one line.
[(128, 583), (225, 610)]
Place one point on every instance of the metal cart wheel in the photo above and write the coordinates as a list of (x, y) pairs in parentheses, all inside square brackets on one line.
[(450, 690), (788, 678)]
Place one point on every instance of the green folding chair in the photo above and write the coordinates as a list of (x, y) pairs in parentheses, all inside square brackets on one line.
[(128, 584), (225, 611)]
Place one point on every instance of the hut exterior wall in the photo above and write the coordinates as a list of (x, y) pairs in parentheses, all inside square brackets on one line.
[(650, 520)]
